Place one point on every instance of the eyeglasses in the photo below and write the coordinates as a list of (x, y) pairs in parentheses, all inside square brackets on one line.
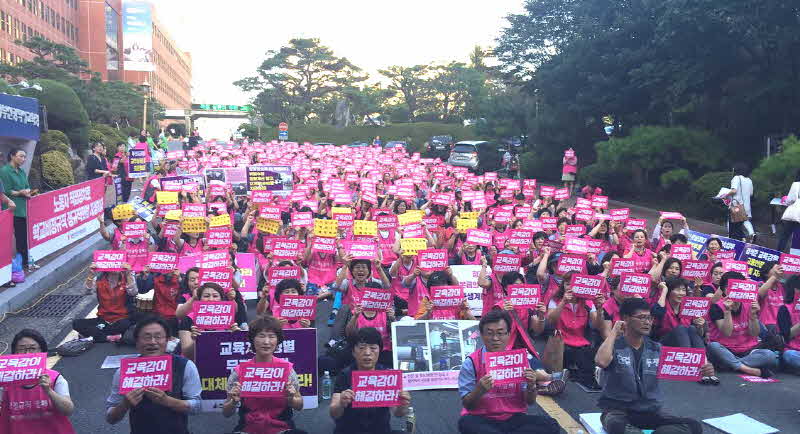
[(492, 335), (157, 338), (643, 318)]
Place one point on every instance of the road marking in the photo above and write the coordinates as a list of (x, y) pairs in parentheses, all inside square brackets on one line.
[(551, 407), (52, 360)]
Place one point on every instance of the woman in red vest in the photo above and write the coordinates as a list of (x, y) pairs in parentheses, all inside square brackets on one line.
[(42, 407)]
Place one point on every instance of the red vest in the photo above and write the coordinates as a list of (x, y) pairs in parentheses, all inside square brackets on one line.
[(397, 283), (111, 301), (493, 295), (672, 320), (164, 299), (499, 403), (263, 414), (31, 411), (572, 324), (794, 314), (136, 253), (379, 322)]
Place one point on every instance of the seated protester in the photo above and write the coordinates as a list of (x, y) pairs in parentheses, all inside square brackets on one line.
[(366, 344), (638, 251), (284, 287), (711, 288), (547, 275), (188, 332), (611, 306), (189, 286), (379, 320), (264, 415), (713, 245), (166, 295), (53, 406), (631, 391), (789, 323), (770, 297), (734, 331), (573, 317), (186, 244), (321, 268), (498, 409), (674, 330), (153, 411), (426, 308), (360, 272), (114, 290)]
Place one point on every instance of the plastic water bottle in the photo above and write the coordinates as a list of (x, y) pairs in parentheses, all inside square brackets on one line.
[(327, 386), (411, 420)]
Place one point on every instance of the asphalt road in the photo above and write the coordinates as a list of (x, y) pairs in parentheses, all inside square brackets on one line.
[(437, 411)]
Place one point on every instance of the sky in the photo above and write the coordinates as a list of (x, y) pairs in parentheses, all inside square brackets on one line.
[(228, 39)]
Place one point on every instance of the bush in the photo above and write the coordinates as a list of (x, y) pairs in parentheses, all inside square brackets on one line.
[(704, 189), (106, 134), (540, 165), (56, 170), (613, 182), (53, 140), (774, 175), (65, 111), (676, 180)]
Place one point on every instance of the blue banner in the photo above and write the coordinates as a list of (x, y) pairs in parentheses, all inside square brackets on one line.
[(756, 256), (19, 117)]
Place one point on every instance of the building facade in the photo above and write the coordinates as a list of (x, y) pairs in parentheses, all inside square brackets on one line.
[(56, 20)]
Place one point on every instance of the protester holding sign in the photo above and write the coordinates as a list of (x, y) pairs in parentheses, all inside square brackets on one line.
[(360, 272), (113, 306), (366, 345), (789, 323), (734, 331), (380, 320), (151, 410), (188, 331), (663, 232), (427, 309), (638, 251), (321, 266), (569, 169), (770, 296), (496, 408), (166, 287), (631, 391), (288, 287), (268, 414), (50, 393)]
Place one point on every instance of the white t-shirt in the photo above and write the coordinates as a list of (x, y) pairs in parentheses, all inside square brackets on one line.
[(744, 190)]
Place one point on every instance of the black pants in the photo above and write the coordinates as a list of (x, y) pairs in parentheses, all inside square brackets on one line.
[(99, 329), (615, 421), (21, 236), (583, 359), (785, 235), (516, 424), (126, 189), (683, 336)]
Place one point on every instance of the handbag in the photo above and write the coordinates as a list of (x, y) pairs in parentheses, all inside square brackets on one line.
[(736, 211), (553, 355)]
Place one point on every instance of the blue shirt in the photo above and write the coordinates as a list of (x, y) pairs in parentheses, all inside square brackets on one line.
[(467, 380)]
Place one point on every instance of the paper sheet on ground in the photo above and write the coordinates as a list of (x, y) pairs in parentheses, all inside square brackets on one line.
[(740, 423), (112, 362)]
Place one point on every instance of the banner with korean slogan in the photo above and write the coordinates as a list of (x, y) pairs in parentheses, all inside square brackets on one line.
[(214, 315), (412, 246), (166, 197), (263, 380), (194, 225), (326, 228), (462, 224), (376, 388), (138, 372), (268, 226)]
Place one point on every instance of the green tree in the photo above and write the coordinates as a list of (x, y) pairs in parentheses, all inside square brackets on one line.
[(411, 83), (294, 81), (367, 100), (51, 61), (64, 111)]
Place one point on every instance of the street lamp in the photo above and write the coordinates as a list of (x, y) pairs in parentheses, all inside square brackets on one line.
[(146, 90)]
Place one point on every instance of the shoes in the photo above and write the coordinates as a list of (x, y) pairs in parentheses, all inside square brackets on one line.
[(552, 388), (563, 375), (710, 381), (113, 338)]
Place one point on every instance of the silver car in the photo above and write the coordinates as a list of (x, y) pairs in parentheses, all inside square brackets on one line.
[(465, 154)]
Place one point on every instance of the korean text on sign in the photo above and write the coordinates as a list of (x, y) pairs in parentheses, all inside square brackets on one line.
[(376, 299), (138, 372), (214, 315), (682, 364), (260, 380), (507, 367), (22, 368), (695, 307), (586, 286), (377, 388), (296, 307), (524, 296)]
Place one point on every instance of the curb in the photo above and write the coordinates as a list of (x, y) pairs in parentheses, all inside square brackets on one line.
[(50, 275)]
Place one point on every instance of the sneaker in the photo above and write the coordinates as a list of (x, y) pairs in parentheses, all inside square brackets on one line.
[(113, 338), (563, 375), (551, 388)]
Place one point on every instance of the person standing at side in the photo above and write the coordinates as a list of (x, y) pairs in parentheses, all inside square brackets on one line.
[(15, 181), (791, 217), (741, 191)]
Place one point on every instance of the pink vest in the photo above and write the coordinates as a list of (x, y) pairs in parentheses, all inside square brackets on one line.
[(572, 324), (502, 401), (263, 414), (416, 295), (397, 283), (387, 246), (137, 254), (740, 340), (353, 296), (768, 315), (612, 308), (187, 249), (31, 411), (321, 270), (116, 240), (474, 261), (493, 295), (672, 320), (794, 314), (550, 291), (643, 262), (379, 322)]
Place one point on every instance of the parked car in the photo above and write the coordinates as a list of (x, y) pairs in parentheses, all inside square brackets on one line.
[(324, 144), (479, 156), (439, 146), (358, 144), (396, 143)]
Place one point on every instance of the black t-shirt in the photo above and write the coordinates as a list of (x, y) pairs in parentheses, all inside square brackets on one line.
[(716, 312), (94, 163), (360, 420)]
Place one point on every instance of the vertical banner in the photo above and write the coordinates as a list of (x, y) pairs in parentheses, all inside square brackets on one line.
[(219, 353), (58, 218), (467, 276), (249, 270), (137, 36), (137, 163)]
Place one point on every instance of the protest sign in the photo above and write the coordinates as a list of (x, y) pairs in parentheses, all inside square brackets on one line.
[(790, 263), (326, 228), (162, 262), (376, 388), (635, 224), (376, 299), (269, 212), (22, 368), (479, 237), (447, 297), (219, 238), (249, 271), (268, 226), (215, 259), (507, 367), (467, 276), (284, 248), (619, 215), (524, 296), (547, 191), (600, 202), (549, 223), (681, 364), (134, 229), (58, 218), (575, 230), (263, 380), (693, 269), (634, 284), (583, 214), (755, 257), (412, 246), (269, 178), (297, 307), (166, 197), (387, 222), (219, 220), (194, 225), (361, 249), (745, 291), (737, 266), (622, 265), (561, 194), (324, 245), (302, 220), (137, 163), (669, 215), (365, 227), (408, 218), (586, 286), (193, 210), (122, 211), (276, 274), (462, 224), (109, 260), (681, 251), (138, 372), (698, 241), (725, 255), (578, 246), (432, 260), (695, 307), (506, 263), (569, 262), (223, 278), (214, 315)]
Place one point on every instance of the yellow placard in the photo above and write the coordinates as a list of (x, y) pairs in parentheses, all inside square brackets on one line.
[(166, 197), (365, 227), (326, 228), (174, 214), (220, 220), (122, 212), (409, 217), (412, 246), (267, 225), (194, 225), (463, 224), (341, 210), (469, 215)]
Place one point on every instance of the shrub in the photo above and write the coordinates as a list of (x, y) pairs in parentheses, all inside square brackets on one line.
[(676, 180), (57, 170), (774, 175), (65, 111), (704, 189), (540, 165), (53, 140), (614, 182)]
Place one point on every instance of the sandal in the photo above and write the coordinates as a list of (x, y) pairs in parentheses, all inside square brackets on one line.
[(552, 388)]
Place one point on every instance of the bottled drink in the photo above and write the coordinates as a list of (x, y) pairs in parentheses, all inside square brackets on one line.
[(411, 420), (327, 386)]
